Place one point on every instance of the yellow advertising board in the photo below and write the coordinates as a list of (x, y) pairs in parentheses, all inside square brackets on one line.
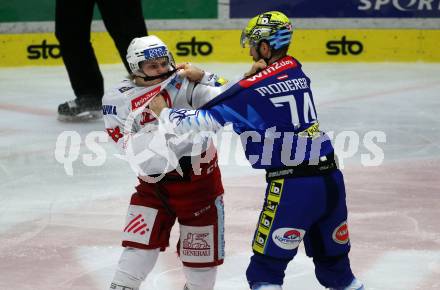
[(336, 45)]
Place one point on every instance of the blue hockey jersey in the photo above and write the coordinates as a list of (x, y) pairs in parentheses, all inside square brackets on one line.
[(272, 111)]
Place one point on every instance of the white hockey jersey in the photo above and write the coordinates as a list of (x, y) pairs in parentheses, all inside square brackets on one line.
[(135, 130)]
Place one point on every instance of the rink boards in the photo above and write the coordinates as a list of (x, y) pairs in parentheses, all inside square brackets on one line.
[(332, 45)]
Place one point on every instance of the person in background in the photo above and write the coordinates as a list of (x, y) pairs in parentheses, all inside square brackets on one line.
[(124, 21)]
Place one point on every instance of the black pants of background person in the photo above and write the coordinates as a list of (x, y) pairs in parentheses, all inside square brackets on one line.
[(123, 20)]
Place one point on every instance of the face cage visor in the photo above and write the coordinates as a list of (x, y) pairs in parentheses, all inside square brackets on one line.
[(246, 41), (276, 39)]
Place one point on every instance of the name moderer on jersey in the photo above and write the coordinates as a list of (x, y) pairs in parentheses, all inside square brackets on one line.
[(283, 87)]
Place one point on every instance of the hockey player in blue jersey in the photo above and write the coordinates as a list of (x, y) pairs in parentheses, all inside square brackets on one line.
[(274, 113)]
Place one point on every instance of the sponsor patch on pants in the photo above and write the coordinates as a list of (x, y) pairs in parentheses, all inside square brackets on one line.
[(197, 244), (288, 238), (139, 223), (268, 216), (340, 234)]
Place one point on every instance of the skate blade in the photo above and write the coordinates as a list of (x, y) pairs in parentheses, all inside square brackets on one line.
[(81, 117)]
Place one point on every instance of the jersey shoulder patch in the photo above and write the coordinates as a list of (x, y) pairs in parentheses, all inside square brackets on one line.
[(116, 96)]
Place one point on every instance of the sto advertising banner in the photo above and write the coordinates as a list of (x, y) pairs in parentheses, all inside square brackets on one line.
[(201, 46), (338, 8)]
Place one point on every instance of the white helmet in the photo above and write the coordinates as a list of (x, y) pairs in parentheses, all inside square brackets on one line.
[(146, 48)]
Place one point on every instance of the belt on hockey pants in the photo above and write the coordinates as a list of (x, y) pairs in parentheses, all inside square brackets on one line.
[(174, 176), (325, 165)]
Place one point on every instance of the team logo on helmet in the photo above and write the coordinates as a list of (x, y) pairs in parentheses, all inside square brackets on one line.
[(265, 19), (260, 33)]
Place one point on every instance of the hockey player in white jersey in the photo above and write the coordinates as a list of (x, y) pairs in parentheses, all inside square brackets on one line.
[(187, 182)]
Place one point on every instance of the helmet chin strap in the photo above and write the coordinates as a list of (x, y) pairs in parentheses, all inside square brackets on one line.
[(166, 75)]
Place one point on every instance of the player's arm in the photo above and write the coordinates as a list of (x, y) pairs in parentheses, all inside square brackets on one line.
[(120, 125), (196, 121), (203, 86), (195, 74), (256, 67), (202, 94), (181, 121), (115, 118)]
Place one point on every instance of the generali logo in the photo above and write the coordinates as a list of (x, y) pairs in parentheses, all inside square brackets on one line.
[(196, 244)]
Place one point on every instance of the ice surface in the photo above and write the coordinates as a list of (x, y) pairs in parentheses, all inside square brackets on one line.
[(63, 232)]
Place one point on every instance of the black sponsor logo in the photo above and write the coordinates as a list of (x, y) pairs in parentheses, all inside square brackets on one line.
[(260, 239), (271, 205), (194, 48), (344, 46), (266, 221), (109, 110), (44, 51), (124, 89), (275, 188)]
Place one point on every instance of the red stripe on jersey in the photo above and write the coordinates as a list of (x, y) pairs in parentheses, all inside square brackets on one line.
[(147, 117), (142, 100), (275, 68)]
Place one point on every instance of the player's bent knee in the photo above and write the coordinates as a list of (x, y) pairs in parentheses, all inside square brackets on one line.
[(200, 278), (265, 270), (134, 266)]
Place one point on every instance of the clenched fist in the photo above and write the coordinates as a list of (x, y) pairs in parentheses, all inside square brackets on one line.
[(157, 104), (189, 71), (256, 67)]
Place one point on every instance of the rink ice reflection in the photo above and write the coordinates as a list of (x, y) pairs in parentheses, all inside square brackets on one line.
[(63, 232)]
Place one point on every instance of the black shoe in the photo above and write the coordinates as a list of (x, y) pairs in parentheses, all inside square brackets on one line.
[(80, 110)]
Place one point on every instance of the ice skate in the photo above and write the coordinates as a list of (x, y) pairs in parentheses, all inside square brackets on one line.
[(266, 286), (355, 285), (115, 286), (79, 110)]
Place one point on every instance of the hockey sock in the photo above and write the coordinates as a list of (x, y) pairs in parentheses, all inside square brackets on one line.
[(264, 269), (333, 272)]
